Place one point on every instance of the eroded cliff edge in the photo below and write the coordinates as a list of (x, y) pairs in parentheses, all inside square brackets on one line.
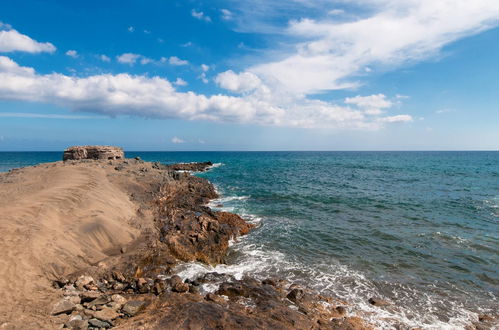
[(93, 244)]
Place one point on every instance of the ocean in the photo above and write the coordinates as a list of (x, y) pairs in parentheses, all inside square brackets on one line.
[(419, 229)]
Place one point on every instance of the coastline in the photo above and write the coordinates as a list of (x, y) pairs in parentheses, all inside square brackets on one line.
[(162, 221)]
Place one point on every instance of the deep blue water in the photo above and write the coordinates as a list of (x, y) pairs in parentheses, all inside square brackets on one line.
[(417, 228)]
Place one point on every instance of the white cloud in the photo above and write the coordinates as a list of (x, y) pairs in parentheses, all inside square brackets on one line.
[(372, 104), (227, 14), (331, 53), (128, 58), (180, 82), (155, 97), (145, 60), (203, 78), (131, 29), (187, 44), (205, 67), (200, 15), (174, 60), (442, 111), (11, 41), (104, 58), (336, 12), (72, 53), (239, 83), (396, 119), (177, 140), (147, 32)]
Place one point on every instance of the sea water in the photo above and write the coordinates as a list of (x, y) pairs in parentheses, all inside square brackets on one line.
[(418, 229)]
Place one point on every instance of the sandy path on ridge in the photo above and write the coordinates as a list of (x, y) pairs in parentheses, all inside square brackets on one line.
[(54, 219)]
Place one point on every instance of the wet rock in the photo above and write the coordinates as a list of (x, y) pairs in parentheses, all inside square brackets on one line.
[(131, 308), (63, 306), (233, 290), (215, 298), (178, 285), (295, 295), (378, 302)]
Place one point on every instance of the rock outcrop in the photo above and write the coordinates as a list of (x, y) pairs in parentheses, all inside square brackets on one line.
[(93, 152)]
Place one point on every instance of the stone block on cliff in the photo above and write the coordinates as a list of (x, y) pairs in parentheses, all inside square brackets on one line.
[(93, 152)]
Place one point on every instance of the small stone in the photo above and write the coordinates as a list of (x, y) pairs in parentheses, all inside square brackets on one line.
[(89, 295), (119, 286), (378, 302), (118, 299), (106, 314), (74, 299), (193, 289), (341, 310), (137, 158), (63, 306), (295, 295), (102, 300), (83, 280), (76, 323), (123, 249), (133, 307), (118, 276), (178, 285), (98, 323), (215, 298)]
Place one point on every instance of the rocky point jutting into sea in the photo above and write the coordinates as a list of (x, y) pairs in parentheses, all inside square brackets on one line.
[(91, 242)]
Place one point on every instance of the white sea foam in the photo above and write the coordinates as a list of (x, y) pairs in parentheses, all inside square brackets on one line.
[(411, 308)]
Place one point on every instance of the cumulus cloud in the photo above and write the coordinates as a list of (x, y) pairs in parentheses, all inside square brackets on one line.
[(12, 41), (131, 29), (205, 67), (180, 82), (174, 60), (72, 53), (155, 97), (200, 15), (128, 58), (239, 83), (177, 140)]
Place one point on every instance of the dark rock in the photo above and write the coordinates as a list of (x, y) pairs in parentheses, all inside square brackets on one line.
[(178, 285), (98, 323), (295, 295), (215, 298), (102, 300), (378, 302)]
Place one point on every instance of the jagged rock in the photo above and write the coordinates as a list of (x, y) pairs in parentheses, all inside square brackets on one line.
[(93, 152), (194, 167), (87, 296), (83, 281), (63, 306), (133, 307), (378, 302), (178, 285)]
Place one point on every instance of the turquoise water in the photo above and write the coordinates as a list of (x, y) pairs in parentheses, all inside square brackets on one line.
[(417, 228)]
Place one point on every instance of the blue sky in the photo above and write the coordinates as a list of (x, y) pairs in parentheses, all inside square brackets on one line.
[(252, 75)]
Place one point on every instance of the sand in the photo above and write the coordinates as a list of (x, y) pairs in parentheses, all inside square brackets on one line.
[(55, 219)]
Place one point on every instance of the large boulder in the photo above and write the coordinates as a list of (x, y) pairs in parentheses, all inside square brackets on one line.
[(93, 152)]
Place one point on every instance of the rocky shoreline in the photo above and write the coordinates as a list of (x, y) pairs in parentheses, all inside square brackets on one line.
[(125, 225), (137, 288)]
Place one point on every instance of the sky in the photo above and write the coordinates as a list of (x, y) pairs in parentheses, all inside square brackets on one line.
[(250, 75)]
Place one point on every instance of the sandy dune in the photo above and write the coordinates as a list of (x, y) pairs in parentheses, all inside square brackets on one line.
[(55, 219)]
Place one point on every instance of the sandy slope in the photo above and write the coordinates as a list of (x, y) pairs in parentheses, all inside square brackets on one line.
[(55, 219)]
